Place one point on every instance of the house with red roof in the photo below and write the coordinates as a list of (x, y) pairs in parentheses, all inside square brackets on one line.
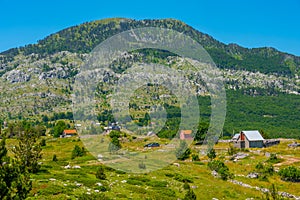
[(69, 133), (186, 135)]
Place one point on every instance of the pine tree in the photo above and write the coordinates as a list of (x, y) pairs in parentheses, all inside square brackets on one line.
[(14, 178), (28, 151)]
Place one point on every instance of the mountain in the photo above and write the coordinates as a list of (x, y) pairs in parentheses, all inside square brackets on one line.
[(83, 38), (37, 80)]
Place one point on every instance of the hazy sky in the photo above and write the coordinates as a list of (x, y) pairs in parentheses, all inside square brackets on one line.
[(250, 23)]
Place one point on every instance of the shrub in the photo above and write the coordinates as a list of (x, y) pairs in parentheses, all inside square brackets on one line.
[(120, 172), (142, 165), (290, 173), (259, 166), (43, 142), (273, 159), (183, 179), (211, 154), (100, 173), (54, 158), (164, 193), (114, 145), (103, 188), (195, 157), (221, 168), (186, 186), (190, 195), (78, 152), (264, 170), (139, 178), (169, 175), (134, 182), (232, 150), (216, 165), (198, 163), (183, 152), (113, 134)]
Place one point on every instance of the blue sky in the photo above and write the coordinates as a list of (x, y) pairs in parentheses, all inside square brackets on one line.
[(250, 23)]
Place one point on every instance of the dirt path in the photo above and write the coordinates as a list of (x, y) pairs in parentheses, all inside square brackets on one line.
[(287, 160)]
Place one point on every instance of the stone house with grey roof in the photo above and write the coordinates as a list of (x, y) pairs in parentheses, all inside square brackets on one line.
[(249, 139)]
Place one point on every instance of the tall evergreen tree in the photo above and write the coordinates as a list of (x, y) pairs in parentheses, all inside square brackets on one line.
[(14, 179), (28, 151)]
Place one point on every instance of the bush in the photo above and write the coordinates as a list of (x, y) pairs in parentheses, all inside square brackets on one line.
[(183, 152), (142, 165), (211, 154), (290, 173), (134, 182), (43, 142), (273, 159), (221, 168), (114, 145), (190, 195), (195, 157), (264, 170), (169, 175), (113, 134), (186, 186), (78, 152), (232, 150), (54, 158), (183, 179), (100, 173)]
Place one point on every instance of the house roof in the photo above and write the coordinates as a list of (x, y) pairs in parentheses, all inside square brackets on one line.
[(70, 131), (186, 132), (236, 136), (253, 135)]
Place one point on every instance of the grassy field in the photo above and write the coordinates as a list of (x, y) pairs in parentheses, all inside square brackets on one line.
[(55, 182)]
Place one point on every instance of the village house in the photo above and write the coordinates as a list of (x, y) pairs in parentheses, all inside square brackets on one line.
[(186, 135), (69, 133), (112, 127), (248, 139)]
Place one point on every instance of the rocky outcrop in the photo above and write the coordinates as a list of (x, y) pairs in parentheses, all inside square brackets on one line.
[(17, 76)]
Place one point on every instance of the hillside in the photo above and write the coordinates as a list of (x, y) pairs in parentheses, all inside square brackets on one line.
[(68, 178), (262, 83)]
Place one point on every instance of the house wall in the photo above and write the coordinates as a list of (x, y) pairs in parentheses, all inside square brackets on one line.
[(247, 143), (256, 144), (239, 144)]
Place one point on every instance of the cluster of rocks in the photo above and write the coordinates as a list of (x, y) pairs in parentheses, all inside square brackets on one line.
[(294, 144), (236, 79), (72, 167), (239, 156), (253, 175), (17, 76), (215, 174)]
